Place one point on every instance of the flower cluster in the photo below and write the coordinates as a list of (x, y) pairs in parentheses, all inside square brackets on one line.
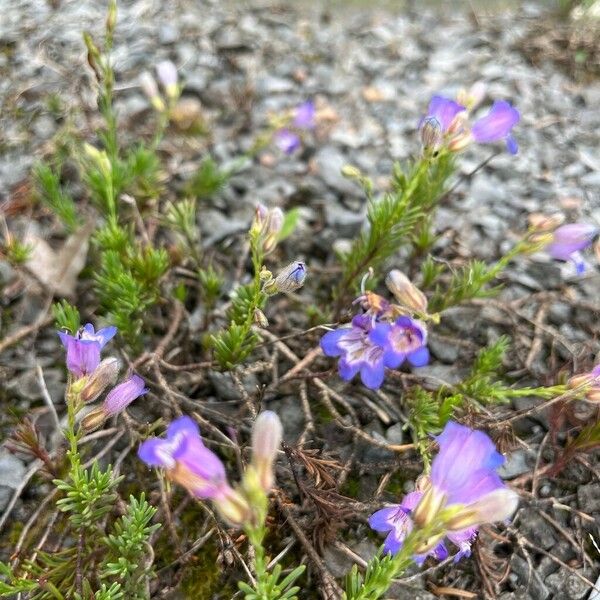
[(447, 124), (287, 138), (462, 492), (188, 462), (91, 376), (384, 336)]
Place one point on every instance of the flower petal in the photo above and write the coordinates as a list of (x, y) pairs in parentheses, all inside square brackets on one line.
[(329, 342), (497, 124), (383, 520), (419, 358), (155, 453), (372, 375)]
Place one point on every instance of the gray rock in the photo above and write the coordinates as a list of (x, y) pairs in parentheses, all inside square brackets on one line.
[(518, 462), (529, 577), (227, 390), (567, 585), (12, 471), (588, 497), (443, 350), (329, 161), (536, 529), (395, 434)]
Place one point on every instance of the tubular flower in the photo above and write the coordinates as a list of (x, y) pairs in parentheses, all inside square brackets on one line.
[(191, 464), (444, 111), (122, 395), (288, 279), (405, 339), (497, 125), (83, 349), (568, 241), (167, 74), (358, 350), (463, 476), (287, 141), (304, 117), (266, 439)]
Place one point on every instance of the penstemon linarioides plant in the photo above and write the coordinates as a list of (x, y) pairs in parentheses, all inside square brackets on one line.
[(110, 557)]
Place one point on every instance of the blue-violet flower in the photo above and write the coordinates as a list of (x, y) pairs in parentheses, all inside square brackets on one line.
[(568, 241), (83, 349)]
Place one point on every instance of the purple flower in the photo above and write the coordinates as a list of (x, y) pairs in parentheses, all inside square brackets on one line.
[(83, 349), (360, 350), (102, 336), (568, 241), (187, 460), (463, 474), (395, 521), (497, 125), (287, 141), (405, 340), (304, 117), (122, 395), (444, 111)]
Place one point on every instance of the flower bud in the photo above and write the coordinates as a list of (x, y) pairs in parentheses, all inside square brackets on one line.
[(406, 293), (288, 280), (122, 395), (149, 87), (431, 134), (583, 379), (260, 319), (593, 395), (544, 223), (104, 375), (351, 172), (266, 440), (234, 507), (167, 74), (93, 420)]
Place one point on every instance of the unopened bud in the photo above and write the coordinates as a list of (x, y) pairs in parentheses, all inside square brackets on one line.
[(266, 440), (122, 395), (593, 395), (111, 18), (234, 507), (167, 74), (351, 172), (288, 280), (267, 225), (431, 134), (93, 420), (260, 319), (149, 87), (543, 223), (581, 380), (104, 375), (406, 292)]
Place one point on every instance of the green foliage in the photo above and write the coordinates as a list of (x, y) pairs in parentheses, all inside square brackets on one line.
[(66, 316), (290, 221), (89, 495), (181, 217), (143, 177), (208, 179), (394, 219), (127, 283), (273, 589), (11, 585), (54, 196), (428, 415), (465, 283), (17, 253), (128, 546), (482, 384), (211, 283)]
